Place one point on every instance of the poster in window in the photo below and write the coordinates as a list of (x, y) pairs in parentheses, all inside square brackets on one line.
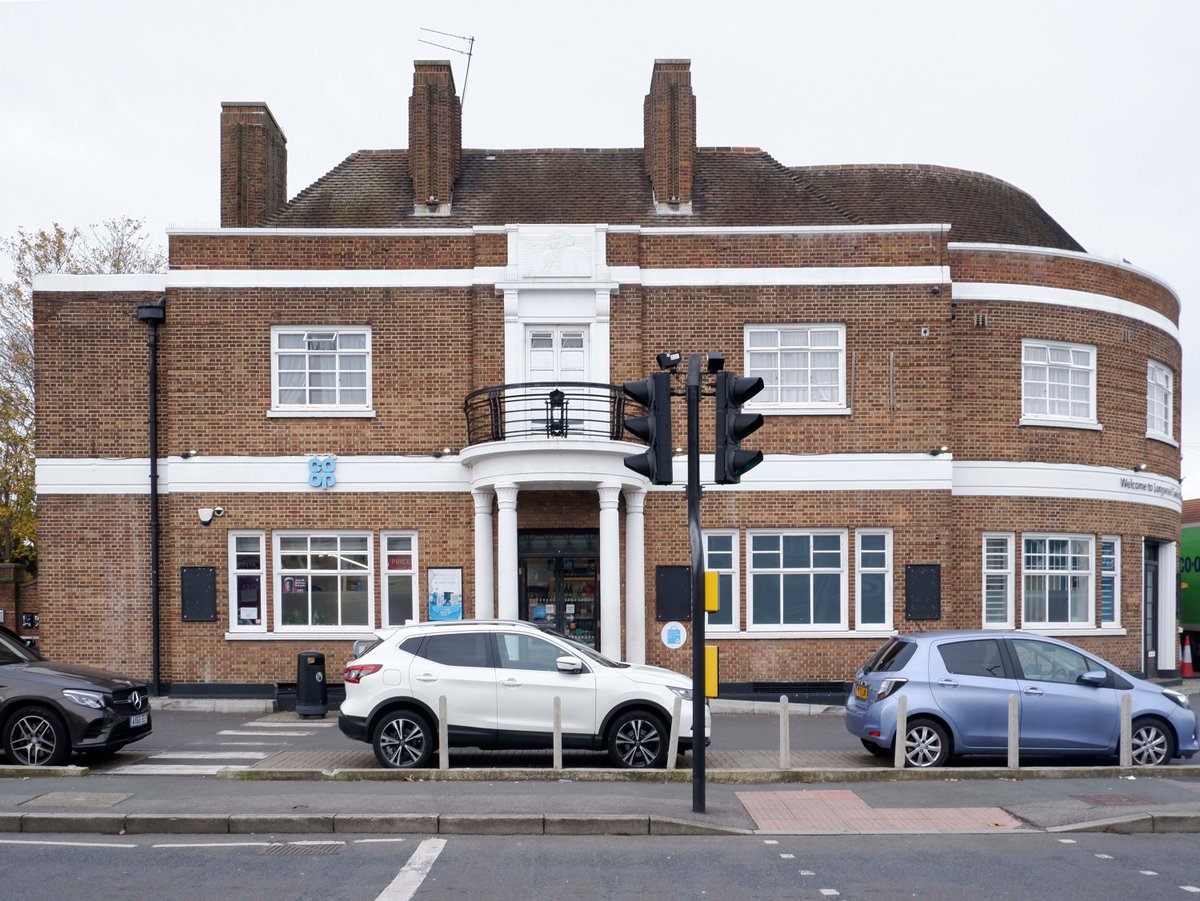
[(445, 593)]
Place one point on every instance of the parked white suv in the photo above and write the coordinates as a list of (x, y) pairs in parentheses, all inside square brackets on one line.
[(500, 679)]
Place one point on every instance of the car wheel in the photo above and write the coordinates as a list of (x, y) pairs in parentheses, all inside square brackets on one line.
[(35, 736), (926, 744), (1153, 743), (875, 748), (638, 740), (403, 739)]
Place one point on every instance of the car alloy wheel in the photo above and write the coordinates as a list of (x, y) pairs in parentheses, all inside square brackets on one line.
[(637, 741), (35, 737), (403, 740), (1152, 744), (925, 744)]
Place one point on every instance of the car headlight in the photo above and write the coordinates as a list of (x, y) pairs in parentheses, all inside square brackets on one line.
[(1178, 697), (685, 693), (85, 698)]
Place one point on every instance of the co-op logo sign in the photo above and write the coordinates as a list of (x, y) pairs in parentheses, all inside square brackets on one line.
[(322, 472)]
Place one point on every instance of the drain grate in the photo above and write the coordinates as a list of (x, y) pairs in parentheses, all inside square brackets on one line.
[(1112, 800), (306, 848)]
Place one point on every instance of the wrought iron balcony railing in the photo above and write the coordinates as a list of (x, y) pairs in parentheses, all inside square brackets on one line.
[(545, 410)]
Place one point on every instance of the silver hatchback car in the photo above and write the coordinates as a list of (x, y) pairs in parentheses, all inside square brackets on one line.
[(957, 686)]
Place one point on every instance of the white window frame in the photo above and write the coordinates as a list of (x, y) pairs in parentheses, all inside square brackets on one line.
[(1090, 556), (1008, 571), (1163, 385), (840, 406), (234, 572), (734, 571), (279, 575), (889, 601), (279, 409), (843, 571), (1059, 419), (385, 572), (1115, 575)]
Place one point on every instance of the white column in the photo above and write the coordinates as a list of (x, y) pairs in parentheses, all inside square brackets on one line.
[(610, 571), (506, 570), (635, 576), (485, 566), (1168, 637)]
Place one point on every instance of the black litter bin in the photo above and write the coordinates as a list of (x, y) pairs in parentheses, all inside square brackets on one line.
[(312, 694)]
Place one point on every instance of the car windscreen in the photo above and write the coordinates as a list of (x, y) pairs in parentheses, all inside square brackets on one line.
[(590, 653), (891, 657)]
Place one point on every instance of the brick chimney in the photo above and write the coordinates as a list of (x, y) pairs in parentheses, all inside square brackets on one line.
[(434, 137), (253, 165), (670, 135)]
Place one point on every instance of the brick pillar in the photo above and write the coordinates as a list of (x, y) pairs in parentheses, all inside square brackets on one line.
[(253, 165), (434, 137), (670, 134)]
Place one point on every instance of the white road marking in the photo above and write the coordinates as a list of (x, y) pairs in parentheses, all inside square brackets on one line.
[(16, 841), (830, 892), (1191, 888), (1104, 856), (171, 769), (788, 856), (807, 873), (264, 734), (367, 841), (1147, 872), (254, 744), (260, 725), (213, 845), (315, 842), (410, 877), (209, 755), (770, 841), (1067, 841)]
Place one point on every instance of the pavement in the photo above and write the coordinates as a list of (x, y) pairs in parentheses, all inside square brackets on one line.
[(327, 784)]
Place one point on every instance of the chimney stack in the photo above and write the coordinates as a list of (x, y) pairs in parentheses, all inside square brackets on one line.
[(434, 137), (253, 165), (670, 135)]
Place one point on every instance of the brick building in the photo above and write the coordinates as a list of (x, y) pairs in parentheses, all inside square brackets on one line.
[(400, 385)]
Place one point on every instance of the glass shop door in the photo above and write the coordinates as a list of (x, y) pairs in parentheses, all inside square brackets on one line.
[(559, 585)]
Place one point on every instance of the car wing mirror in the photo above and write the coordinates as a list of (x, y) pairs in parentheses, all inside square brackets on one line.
[(1096, 677), (569, 665)]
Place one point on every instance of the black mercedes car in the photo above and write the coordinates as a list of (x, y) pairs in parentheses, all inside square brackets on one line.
[(48, 710)]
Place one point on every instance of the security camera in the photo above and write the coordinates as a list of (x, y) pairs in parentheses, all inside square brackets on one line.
[(206, 515), (218, 511)]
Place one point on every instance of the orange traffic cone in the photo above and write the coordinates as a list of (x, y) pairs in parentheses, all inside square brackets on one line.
[(1185, 665)]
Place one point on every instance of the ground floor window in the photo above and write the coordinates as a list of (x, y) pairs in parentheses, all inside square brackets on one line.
[(1110, 580), (721, 557), (998, 580), (247, 601), (1057, 586), (797, 580), (399, 578), (323, 580), (873, 597)]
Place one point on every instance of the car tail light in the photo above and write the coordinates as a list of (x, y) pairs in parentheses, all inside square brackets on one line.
[(355, 673), (889, 687)]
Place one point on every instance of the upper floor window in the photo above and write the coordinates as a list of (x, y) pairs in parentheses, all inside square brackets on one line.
[(798, 581), (1058, 382), (1160, 383), (321, 370), (803, 367)]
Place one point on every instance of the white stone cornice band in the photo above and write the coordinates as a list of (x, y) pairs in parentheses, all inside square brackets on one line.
[(222, 476)]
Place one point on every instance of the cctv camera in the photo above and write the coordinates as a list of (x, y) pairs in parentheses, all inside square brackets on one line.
[(205, 514), (218, 511)]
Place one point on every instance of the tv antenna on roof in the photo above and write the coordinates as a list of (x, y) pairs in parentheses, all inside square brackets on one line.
[(467, 53)]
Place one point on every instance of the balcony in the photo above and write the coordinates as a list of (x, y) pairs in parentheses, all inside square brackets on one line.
[(535, 410)]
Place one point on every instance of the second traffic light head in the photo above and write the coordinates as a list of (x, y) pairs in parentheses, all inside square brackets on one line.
[(729, 460), (653, 393)]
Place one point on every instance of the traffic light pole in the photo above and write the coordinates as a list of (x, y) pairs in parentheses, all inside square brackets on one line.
[(698, 613)]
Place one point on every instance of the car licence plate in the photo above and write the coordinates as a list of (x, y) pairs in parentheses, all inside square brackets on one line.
[(139, 719), (860, 691)]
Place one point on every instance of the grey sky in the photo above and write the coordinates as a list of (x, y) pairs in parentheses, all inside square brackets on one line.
[(110, 108)]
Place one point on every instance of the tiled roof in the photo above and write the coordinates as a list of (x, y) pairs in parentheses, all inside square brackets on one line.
[(978, 207), (372, 189)]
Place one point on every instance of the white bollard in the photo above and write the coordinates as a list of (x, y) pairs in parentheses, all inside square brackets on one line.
[(557, 732), (785, 739), (1014, 732), (443, 736), (673, 746), (898, 745), (1126, 730)]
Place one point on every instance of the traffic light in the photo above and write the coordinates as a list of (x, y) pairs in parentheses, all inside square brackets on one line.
[(653, 393), (733, 425)]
